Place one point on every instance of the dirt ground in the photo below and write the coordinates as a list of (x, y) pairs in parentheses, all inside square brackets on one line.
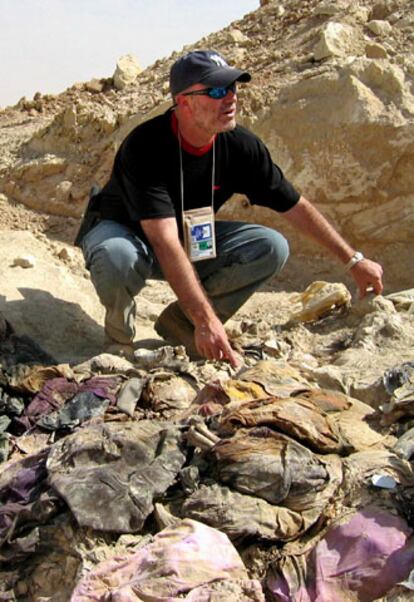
[(59, 275)]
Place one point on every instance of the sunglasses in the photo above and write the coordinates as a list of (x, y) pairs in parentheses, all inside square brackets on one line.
[(216, 93)]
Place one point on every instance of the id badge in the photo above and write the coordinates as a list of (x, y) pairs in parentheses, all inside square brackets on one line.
[(199, 234)]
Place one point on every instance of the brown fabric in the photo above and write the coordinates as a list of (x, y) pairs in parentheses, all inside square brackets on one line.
[(269, 465), (245, 516), (276, 487), (295, 416), (242, 516), (276, 377), (34, 378), (325, 421), (360, 467), (165, 392)]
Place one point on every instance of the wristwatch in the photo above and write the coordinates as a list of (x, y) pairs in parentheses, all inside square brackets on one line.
[(356, 258)]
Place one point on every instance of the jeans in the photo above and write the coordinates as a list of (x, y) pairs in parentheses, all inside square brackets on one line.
[(119, 262)]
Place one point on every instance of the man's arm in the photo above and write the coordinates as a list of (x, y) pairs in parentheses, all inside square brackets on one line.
[(209, 334), (311, 222)]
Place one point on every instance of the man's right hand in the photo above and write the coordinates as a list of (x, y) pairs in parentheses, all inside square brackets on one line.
[(212, 342), (210, 337)]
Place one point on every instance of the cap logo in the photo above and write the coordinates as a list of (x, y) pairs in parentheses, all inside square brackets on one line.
[(220, 62)]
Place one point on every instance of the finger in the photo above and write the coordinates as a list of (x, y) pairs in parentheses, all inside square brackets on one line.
[(234, 361), (230, 355), (378, 286)]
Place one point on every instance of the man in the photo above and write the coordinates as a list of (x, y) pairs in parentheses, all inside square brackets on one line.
[(194, 157)]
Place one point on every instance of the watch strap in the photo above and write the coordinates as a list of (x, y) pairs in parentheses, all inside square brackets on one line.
[(356, 258)]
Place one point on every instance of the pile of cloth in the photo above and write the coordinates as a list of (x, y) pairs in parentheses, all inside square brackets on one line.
[(159, 480)]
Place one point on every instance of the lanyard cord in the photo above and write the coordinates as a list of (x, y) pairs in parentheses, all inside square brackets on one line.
[(213, 173)]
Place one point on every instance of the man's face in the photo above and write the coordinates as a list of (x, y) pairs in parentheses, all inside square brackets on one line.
[(211, 115)]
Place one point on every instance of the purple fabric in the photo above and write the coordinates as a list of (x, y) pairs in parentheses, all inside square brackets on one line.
[(27, 481), (51, 397), (367, 555), (57, 391), (102, 386)]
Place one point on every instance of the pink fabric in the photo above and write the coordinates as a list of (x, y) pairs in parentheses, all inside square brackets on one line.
[(178, 560), (367, 555)]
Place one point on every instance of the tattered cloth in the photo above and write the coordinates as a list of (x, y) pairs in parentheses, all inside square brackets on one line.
[(109, 474), (187, 562)]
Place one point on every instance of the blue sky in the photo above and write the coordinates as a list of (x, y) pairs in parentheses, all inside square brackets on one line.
[(48, 45)]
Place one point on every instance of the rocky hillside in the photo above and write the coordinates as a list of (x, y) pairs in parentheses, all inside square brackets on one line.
[(118, 478), (332, 96)]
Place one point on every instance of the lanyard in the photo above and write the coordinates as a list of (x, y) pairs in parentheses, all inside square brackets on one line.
[(213, 173), (198, 224)]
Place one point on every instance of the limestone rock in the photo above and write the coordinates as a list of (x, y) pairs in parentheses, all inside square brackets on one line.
[(327, 8), (396, 217), (375, 51), (24, 261), (385, 80), (380, 28), (62, 190), (54, 306), (66, 254), (58, 164), (126, 72), (237, 55), (237, 37), (94, 85), (410, 66), (336, 39), (361, 13), (381, 10)]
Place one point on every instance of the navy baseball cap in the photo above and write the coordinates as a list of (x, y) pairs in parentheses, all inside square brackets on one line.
[(204, 67)]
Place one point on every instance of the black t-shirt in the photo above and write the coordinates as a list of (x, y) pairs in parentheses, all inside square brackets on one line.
[(145, 180)]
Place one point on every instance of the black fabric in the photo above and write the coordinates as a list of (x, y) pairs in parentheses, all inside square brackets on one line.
[(145, 181), (82, 407), (90, 217)]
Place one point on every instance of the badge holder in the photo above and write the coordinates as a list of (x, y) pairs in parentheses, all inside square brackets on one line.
[(199, 234)]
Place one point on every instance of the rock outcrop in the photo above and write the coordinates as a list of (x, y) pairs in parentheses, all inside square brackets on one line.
[(332, 96), (126, 72)]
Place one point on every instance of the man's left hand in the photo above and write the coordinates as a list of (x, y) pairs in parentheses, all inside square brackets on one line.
[(367, 275)]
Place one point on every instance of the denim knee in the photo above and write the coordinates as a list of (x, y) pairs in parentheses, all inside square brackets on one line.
[(274, 247), (243, 243), (115, 265), (262, 247)]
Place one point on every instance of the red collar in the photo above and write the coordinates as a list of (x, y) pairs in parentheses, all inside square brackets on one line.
[(189, 148)]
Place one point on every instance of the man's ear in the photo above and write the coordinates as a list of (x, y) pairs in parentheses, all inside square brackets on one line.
[(183, 102)]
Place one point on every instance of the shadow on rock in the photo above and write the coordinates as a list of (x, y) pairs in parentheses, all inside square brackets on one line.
[(62, 328)]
